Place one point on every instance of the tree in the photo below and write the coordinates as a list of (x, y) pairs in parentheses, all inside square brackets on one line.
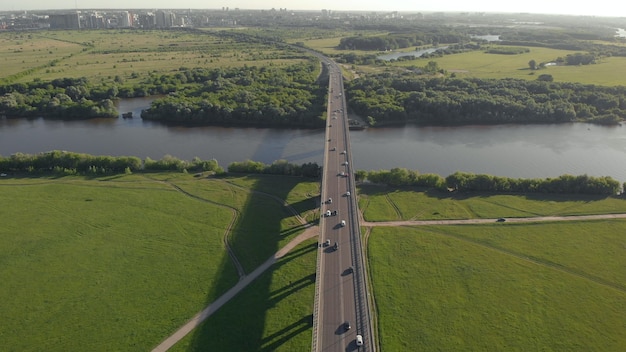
[(545, 78), (532, 64)]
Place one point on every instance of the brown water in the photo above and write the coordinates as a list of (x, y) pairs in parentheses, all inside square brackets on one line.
[(504, 150)]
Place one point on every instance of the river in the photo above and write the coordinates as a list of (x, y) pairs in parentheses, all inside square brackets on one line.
[(526, 151)]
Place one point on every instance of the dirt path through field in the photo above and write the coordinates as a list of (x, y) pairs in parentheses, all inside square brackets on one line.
[(487, 221), (310, 232), (313, 231)]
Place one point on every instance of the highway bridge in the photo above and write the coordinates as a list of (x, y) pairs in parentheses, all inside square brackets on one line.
[(342, 319)]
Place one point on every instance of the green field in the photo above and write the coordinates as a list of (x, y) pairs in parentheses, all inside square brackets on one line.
[(133, 55), (272, 314), (384, 204), (548, 287), (130, 54), (608, 72), (119, 263)]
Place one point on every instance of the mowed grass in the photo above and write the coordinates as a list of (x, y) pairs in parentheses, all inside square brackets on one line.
[(117, 263), (274, 313), (500, 288), (386, 204)]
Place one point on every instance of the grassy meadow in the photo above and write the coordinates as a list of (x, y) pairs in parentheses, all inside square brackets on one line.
[(386, 204), (130, 54), (274, 313), (119, 263), (608, 72), (133, 55), (548, 287)]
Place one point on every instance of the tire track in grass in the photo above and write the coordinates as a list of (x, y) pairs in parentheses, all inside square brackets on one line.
[(281, 201), (363, 209), (370, 280), (538, 261), (394, 206), (231, 253)]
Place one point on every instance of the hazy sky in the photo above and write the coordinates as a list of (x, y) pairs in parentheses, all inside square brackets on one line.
[(614, 8)]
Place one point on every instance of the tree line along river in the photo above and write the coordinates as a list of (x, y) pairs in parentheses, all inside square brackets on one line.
[(520, 151)]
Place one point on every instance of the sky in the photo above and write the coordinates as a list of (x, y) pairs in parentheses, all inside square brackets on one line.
[(612, 8)]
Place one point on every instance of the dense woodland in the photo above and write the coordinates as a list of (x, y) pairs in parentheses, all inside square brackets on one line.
[(390, 99), (67, 98), (423, 36), (267, 96), (263, 96)]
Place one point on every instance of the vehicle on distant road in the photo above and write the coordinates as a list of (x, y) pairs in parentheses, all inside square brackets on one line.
[(327, 243), (348, 194), (327, 213), (359, 340), (330, 201), (501, 220), (343, 223)]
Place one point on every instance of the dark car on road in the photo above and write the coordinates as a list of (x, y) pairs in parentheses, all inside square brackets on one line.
[(347, 326)]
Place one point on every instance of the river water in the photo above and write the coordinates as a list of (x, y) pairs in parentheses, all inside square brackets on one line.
[(526, 151)]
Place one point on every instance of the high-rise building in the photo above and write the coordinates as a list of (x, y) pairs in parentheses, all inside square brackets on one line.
[(65, 21)]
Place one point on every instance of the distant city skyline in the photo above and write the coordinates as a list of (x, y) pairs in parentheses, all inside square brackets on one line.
[(597, 8)]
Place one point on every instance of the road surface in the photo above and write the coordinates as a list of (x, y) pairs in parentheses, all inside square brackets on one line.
[(340, 287)]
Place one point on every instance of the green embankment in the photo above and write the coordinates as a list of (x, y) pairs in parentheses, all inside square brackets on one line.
[(119, 263), (387, 204), (552, 287)]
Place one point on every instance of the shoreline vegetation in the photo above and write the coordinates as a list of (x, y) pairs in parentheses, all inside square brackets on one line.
[(69, 163), (279, 86), (128, 219)]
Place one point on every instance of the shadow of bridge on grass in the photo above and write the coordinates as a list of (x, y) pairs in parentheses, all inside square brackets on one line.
[(275, 311)]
